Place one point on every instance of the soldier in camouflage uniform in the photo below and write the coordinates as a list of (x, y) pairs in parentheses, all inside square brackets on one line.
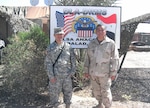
[(62, 55), (101, 65)]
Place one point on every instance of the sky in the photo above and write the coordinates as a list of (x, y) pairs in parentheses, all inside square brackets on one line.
[(134, 8), (130, 8)]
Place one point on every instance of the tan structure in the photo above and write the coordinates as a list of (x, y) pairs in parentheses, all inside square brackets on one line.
[(39, 15)]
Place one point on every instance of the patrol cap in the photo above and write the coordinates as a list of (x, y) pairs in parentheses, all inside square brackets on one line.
[(58, 31)]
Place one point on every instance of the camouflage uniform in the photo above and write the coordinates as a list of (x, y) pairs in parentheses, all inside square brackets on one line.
[(101, 63), (63, 70)]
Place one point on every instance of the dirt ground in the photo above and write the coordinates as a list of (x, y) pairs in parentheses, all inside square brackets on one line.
[(132, 89), (83, 99)]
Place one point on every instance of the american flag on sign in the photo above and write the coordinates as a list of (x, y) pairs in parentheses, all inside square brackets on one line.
[(65, 21), (60, 19)]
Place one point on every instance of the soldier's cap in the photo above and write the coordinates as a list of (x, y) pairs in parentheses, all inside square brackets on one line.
[(58, 31)]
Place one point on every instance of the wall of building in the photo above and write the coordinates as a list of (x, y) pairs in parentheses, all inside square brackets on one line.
[(12, 21), (4, 29)]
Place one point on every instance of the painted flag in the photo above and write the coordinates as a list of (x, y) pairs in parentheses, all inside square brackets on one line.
[(65, 21), (60, 19), (110, 23), (111, 35), (107, 20), (68, 19), (84, 32)]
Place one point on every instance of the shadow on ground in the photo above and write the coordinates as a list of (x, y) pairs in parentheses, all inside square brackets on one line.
[(132, 84)]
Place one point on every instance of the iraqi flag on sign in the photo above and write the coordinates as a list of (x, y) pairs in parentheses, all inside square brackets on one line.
[(110, 23)]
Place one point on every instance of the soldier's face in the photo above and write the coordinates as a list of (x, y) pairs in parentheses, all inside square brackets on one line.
[(101, 32), (59, 37)]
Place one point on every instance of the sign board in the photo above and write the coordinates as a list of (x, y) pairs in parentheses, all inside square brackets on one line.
[(79, 23)]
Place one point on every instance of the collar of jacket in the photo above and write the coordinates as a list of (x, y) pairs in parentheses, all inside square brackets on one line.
[(107, 39), (61, 45)]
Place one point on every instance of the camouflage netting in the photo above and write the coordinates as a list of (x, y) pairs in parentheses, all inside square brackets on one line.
[(127, 31), (16, 23)]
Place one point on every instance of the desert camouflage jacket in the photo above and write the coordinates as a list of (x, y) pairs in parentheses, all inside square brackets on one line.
[(102, 59)]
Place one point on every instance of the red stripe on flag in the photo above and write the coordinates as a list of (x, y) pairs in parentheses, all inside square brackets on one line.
[(80, 33), (85, 33), (107, 20), (68, 19), (90, 33)]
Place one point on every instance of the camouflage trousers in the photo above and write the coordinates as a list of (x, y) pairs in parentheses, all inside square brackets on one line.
[(64, 85), (101, 90)]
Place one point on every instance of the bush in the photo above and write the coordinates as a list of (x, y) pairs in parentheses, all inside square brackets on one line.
[(24, 65), (25, 76), (79, 82)]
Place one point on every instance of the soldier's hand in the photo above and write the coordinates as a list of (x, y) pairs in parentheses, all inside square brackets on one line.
[(53, 80), (86, 75), (113, 78)]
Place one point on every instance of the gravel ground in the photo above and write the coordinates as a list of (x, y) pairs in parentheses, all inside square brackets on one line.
[(132, 89)]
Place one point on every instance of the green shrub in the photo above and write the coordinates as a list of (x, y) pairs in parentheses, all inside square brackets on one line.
[(24, 65), (24, 72), (78, 79)]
